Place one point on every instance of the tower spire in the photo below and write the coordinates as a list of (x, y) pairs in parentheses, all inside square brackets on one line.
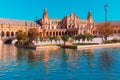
[(89, 17), (45, 14)]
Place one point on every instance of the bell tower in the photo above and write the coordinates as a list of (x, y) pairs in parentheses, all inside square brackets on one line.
[(45, 14), (90, 19), (45, 19)]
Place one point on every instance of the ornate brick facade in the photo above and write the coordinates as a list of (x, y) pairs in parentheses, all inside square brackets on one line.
[(115, 26), (70, 25), (49, 27)]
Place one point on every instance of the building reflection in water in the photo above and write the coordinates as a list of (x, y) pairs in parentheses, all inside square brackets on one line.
[(90, 56), (74, 56), (63, 56), (8, 53), (105, 60), (68, 54), (32, 56)]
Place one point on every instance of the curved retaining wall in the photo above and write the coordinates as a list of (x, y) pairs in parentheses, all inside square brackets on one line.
[(46, 47)]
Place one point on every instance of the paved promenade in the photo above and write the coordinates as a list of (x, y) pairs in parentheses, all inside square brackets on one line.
[(98, 46)]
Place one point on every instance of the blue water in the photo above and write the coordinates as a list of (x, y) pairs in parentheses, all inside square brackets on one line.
[(59, 64)]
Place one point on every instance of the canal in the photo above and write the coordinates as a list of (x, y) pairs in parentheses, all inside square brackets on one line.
[(59, 64)]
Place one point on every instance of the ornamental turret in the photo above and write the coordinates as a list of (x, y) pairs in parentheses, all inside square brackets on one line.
[(45, 19), (45, 14), (90, 19)]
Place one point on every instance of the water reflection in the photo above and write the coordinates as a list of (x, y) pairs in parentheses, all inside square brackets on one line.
[(64, 64), (105, 60), (8, 53), (89, 56), (11, 53)]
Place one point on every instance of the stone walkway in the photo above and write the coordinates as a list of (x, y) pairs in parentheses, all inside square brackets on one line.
[(98, 46)]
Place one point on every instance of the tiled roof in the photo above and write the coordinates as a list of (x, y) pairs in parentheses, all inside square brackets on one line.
[(112, 22), (18, 22), (55, 19), (115, 22)]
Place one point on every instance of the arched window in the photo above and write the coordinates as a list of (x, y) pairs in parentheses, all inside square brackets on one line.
[(12, 34), (47, 33), (69, 27), (65, 33), (93, 32), (53, 33), (7, 34), (3, 34), (56, 33), (50, 33), (60, 33)]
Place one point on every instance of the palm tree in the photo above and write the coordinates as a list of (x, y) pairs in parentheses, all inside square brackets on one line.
[(51, 39), (65, 38), (78, 37), (41, 39), (89, 37), (83, 37), (56, 38), (71, 39)]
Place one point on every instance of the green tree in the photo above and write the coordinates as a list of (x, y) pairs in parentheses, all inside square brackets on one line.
[(21, 37), (41, 39), (56, 38), (83, 37), (72, 38), (79, 37), (51, 39), (105, 31), (33, 33), (89, 37), (65, 38)]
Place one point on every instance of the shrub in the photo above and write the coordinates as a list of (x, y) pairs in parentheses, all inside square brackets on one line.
[(108, 41), (112, 41)]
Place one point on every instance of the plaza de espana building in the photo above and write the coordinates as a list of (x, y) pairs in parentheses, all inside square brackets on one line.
[(71, 25)]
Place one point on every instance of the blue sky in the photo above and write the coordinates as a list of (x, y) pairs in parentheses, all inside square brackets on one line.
[(29, 9)]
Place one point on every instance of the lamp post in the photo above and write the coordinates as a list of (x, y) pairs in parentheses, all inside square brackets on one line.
[(1, 31), (26, 25), (9, 30), (105, 7)]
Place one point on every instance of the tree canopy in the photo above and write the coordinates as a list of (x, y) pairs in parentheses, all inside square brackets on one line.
[(21, 36), (65, 38), (33, 33), (105, 31)]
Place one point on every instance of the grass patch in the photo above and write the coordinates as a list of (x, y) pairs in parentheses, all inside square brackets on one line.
[(81, 44), (51, 45), (112, 41), (69, 46)]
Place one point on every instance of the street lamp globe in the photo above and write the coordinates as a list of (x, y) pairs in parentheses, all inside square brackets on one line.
[(105, 6)]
